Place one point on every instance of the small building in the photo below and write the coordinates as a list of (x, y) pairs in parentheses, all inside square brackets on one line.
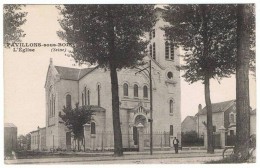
[(10, 137), (189, 124), (223, 119), (38, 139)]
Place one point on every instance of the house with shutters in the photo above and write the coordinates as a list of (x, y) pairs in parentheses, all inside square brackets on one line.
[(91, 87), (223, 119)]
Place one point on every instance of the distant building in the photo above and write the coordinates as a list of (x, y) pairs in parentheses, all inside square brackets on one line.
[(10, 137), (223, 118), (189, 124), (223, 115), (38, 139)]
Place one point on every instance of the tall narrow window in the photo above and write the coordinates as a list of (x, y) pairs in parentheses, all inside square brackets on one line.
[(171, 130), (50, 108), (135, 90), (68, 101), (171, 106), (82, 97), (151, 51), (154, 52), (125, 89), (85, 96), (166, 50), (53, 106), (98, 92), (150, 35), (153, 33), (232, 118), (172, 51), (88, 97), (93, 128), (145, 91)]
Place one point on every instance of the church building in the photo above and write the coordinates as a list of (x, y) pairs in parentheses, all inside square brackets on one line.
[(92, 87)]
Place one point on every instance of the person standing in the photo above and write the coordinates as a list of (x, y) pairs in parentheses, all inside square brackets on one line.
[(176, 144)]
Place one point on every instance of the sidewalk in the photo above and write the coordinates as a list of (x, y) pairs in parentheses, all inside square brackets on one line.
[(106, 156)]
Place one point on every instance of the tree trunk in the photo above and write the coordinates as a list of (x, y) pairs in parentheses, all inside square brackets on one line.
[(210, 148), (208, 70), (78, 144), (118, 147), (242, 83)]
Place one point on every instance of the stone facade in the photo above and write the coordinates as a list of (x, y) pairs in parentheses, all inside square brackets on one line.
[(10, 138), (92, 87), (38, 139)]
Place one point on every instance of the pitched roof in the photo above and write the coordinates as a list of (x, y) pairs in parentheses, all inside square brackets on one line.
[(217, 107), (95, 108), (72, 73), (190, 117), (9, 125)]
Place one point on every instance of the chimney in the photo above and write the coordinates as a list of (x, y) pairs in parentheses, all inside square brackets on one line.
[(199, 107)]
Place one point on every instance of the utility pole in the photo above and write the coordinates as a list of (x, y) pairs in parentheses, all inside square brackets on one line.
[(151, 102), (151, 108)]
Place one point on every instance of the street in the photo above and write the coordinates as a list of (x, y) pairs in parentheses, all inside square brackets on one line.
[(128, 158), (195, 160)]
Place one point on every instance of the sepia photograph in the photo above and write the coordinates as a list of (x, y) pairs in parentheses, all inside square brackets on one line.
[(129, 83)]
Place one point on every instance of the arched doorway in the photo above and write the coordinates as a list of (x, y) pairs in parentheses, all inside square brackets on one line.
[(138, 119)]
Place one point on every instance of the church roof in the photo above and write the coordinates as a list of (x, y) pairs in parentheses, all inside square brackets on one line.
[(217, 107), (95, 108), (72, 73)]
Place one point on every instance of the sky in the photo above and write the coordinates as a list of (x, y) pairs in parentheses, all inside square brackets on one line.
[(25, 74)]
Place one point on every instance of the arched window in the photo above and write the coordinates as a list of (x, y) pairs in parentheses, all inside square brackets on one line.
[(154, 52), (135, 90), (145, 91), (172, 51), (125, 89), (171, 106), (171, 130), (166, 50), (88, 97), (98, 92), (53, 106), (85, 96), (93, 128), (151, 51), (232, 118), (50, 108), (82, 96), (68, 100)]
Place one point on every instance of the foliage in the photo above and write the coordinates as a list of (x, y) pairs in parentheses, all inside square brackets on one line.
[(191, 138), (110, 36), (207, 33), (75, 118), (14, 18), (207, 36), (87, 28)]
